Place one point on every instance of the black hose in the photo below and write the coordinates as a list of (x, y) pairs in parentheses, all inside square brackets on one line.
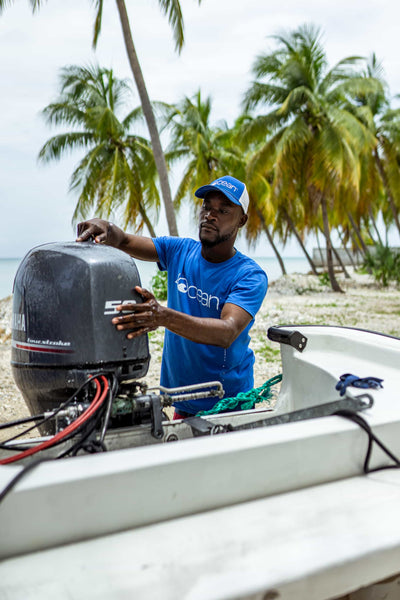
[(85, 431), (111, 395), (361, 422), (94, 421), (26, 469), (21, 421), (54, 414)]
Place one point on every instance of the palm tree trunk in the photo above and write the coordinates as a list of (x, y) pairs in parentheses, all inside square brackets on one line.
[(271, 241), (349, 254), (298, 238), (375, 226), (159, 157), (368, 228), (332, 278), (356, 237), (340, 262), (147, 222), (321, 256), (356, 246), (387, 189), (357, 231)]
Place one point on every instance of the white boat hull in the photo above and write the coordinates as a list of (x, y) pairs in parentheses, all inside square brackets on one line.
[(278, 510)]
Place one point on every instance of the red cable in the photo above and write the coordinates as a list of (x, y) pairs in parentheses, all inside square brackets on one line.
[(95, 404)]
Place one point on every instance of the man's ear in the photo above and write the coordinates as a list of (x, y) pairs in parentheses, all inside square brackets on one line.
[(243, 220)]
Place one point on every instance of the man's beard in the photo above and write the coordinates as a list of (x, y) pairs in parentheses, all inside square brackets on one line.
[(220, 239)]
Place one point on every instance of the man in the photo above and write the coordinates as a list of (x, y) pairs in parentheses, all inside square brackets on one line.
[(214, 293)]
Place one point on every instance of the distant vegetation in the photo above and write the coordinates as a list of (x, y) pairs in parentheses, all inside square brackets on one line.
[(318, 146), (384, 264)]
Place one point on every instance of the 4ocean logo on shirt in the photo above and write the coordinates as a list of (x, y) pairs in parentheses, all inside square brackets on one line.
[(195, 293)]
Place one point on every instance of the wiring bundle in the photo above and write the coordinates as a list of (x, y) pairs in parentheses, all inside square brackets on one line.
[(83, 433)]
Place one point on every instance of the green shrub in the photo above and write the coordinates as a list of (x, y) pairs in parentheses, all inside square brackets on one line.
[(324, 278), (159, 285), (383, 264)]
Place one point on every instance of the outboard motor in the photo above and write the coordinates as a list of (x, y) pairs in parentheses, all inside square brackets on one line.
[(65, 295)]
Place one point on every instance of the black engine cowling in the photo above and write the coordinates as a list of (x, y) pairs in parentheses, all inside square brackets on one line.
[(65, 296)]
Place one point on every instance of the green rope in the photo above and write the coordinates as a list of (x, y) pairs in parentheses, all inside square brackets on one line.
[(245, 400)]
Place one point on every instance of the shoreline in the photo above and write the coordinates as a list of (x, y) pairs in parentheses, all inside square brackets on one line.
[(292, 300), (148, 269)]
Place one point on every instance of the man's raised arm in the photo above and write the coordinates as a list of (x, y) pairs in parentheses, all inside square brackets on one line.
[(107, 233)]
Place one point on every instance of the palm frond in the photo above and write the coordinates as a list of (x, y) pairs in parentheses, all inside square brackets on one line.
[(172, 10), (118, 168), (264, 93), (56, 147), (98, 21)]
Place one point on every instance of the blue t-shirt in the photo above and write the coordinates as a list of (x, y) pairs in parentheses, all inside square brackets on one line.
[(201, 288)]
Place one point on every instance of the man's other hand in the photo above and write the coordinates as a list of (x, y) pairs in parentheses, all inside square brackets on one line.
[(138, 319)]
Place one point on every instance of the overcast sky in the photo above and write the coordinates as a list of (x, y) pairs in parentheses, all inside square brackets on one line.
[(222, 40)]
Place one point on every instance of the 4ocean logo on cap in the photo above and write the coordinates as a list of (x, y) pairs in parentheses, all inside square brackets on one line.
[(231, 187), (225, 183)]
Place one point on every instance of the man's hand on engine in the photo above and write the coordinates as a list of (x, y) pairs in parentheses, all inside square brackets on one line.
[(141, 318), (102, 231)]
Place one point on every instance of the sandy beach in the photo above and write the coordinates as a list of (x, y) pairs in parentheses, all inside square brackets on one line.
[(293, 299)]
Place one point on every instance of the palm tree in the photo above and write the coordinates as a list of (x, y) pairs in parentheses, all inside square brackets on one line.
[(261, 211), (207, 150), (260, 178), (374, 110), (172, 9), (118, 172), (313, 141), (260, 215)]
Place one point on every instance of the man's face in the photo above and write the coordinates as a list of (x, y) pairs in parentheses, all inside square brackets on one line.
[(220, 219)]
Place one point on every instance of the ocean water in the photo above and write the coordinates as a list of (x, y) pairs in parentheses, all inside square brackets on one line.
[(8, 269), (9, 266)]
